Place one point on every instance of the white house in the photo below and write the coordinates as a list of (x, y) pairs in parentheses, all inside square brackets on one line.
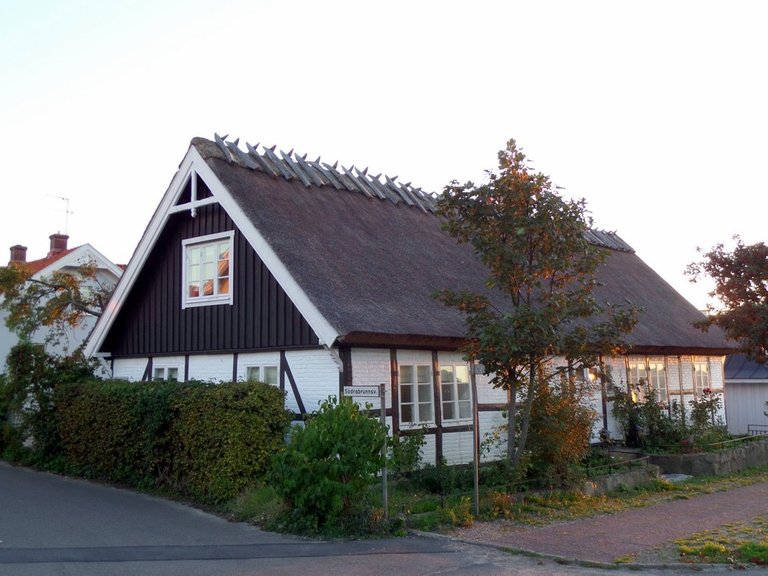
[(312, 276), (59, 258)]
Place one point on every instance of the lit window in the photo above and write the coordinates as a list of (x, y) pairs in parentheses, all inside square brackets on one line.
[(657, 379), (207, 270), (416, 394), (700, 377), (268, 374), (455, 391)]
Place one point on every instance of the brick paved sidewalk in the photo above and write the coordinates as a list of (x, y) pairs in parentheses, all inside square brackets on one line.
[(608, 537)]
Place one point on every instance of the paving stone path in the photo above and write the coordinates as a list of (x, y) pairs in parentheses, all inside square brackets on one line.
[(630, 532)]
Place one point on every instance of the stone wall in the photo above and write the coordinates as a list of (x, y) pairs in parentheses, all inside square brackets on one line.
[(630, 478), (728, 461)]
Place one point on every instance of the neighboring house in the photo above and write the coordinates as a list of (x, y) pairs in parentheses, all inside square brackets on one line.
[(746, 389), (59, 258), (265, 265)]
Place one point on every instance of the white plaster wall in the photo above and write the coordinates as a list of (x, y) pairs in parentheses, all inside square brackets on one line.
[(213, 368), (129, 368), (317, 377)]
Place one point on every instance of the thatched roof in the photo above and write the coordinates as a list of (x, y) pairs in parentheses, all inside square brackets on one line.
[(370, 253)]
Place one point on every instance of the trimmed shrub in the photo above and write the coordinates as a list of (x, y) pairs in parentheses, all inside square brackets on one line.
[(204, 441), (225, 435)]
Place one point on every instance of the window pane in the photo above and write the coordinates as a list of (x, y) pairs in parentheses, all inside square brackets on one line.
[(406, 414), (193, 272), (209, 253), (447, 390), (405, 393), (193, 290), (209, 270), (158, 374), (208, 288), (425, 412), (223, 286), (448, 411), (465, 410), (424, 374), (462, 373), (406, 373), (425, 393), (464, 392), (446, 374), (193, 255), (224, 251), (173, 374), (252, 374), (270, 375), (223, 268)]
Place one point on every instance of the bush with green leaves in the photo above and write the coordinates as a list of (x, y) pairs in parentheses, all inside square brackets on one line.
[(225, 435), (561, 428), (404, 452), (325, 473), (204, 441), (30, 396)]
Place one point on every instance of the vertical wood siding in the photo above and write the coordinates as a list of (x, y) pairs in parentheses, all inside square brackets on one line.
[(152, 321)]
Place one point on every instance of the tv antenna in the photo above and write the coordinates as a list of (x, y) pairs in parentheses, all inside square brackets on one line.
[(67, 211)]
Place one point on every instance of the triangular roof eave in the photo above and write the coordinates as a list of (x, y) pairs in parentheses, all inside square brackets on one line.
[(193, 162), (75, 257)]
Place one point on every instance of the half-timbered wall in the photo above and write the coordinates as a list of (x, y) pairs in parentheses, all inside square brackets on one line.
[(153, 322), (451, 441)]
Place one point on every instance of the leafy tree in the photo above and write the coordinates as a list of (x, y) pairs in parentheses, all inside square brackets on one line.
[(60, 301), (741, 286), (533, 244)]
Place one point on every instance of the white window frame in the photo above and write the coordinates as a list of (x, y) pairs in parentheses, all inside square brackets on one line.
[(701, 383), (260, 371), (657, 379), (193, 301), (456, 402), (163, 373), (417, 404)]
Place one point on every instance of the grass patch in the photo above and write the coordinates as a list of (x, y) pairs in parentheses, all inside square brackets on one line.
[(735, 544)]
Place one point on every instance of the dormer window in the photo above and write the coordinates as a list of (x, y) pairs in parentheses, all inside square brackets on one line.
[(207, 270)]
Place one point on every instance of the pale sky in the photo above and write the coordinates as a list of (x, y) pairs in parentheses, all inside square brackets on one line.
[(655, 112)]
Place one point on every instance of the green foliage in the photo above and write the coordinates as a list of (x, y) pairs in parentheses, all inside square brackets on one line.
[(741, 286), (204, 441), (404, 452), (534, 245), (32, 379), (325, 473), (58, 302), (225, 435), (561, 427), (118, 430), (648, 424)]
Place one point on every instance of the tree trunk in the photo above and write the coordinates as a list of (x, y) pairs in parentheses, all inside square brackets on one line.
[(525, 424), (511, 421)]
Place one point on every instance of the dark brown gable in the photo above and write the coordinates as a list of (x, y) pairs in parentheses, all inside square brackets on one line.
[(152, 321)]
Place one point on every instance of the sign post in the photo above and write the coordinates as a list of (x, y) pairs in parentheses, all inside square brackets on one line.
[(376, 391)]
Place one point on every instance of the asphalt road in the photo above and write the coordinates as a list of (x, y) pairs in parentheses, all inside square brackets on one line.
[(50, 525)]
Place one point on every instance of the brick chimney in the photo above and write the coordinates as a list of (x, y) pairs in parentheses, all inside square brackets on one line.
[(18, 254), (58, 244)]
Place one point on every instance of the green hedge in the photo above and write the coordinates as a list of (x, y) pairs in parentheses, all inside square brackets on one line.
[(204, 441)]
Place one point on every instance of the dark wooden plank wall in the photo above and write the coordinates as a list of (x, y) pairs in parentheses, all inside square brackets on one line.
[(152, 321)]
